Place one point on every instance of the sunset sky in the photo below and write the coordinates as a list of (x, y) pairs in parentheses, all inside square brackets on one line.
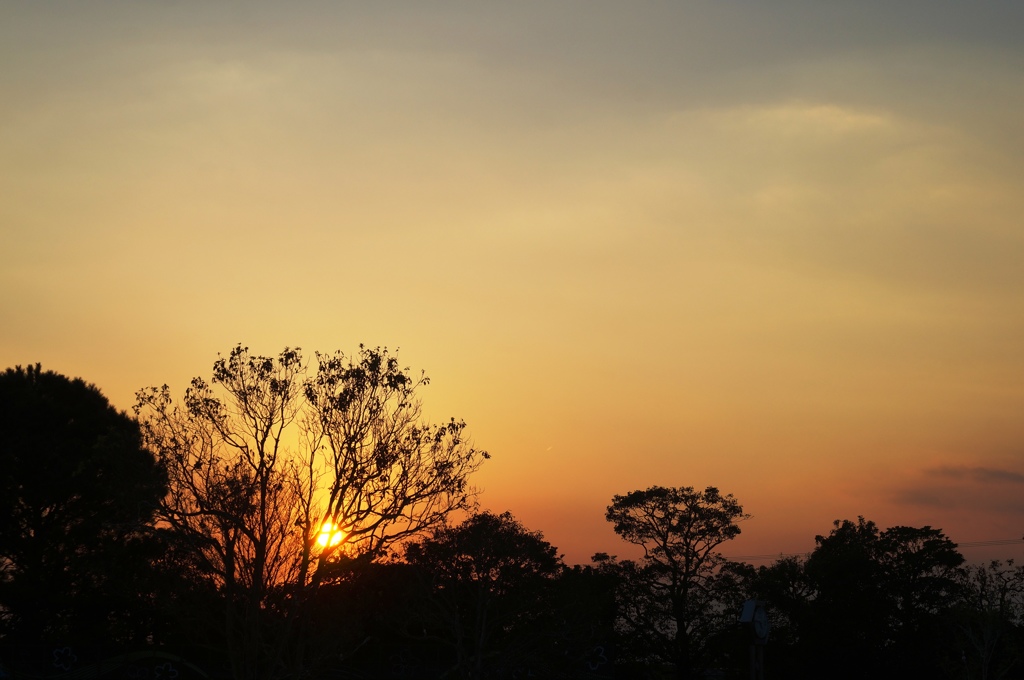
[(775, 247)]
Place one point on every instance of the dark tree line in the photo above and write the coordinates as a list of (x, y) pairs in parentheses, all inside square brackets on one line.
[(288, 520), (893, 603)]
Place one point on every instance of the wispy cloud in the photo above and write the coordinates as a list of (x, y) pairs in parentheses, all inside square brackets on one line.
[(964, 488), (816, 118), (983, 475)]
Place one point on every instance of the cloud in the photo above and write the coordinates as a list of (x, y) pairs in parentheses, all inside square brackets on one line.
[(981, 475), (816, 118), (964, 489)]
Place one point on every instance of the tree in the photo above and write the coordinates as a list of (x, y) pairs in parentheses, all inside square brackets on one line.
[(77, 496), (784, 587), (878, 598), (490, 587), (990, 619), (673, 605), (276, 469)]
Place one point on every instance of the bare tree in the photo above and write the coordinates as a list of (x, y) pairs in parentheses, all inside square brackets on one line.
[(992, 618), (275, 474)]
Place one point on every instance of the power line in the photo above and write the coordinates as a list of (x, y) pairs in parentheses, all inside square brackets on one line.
[(969, 544), (985, 544), (773, 556)]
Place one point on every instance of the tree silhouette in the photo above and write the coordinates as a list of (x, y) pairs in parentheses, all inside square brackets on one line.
[(77, 496), (269, 453), (990, 621), (491, 582), (865, 603), (672, 605)]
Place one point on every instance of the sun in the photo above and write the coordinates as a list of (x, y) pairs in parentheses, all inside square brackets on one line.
[(330, 534)]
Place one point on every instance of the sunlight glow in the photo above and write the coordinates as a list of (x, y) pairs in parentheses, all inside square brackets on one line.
[(330, 534)]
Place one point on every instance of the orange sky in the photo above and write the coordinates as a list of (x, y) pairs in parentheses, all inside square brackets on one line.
[(779, 251)]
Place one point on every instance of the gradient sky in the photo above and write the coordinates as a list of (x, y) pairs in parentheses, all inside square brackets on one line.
[(775, 247)]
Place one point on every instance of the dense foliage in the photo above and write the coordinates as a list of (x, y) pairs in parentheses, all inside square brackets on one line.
[(77, 496)]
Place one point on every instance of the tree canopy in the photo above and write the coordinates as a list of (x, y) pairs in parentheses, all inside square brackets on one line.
[(490, 590), (674, 596), (77, 496)]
